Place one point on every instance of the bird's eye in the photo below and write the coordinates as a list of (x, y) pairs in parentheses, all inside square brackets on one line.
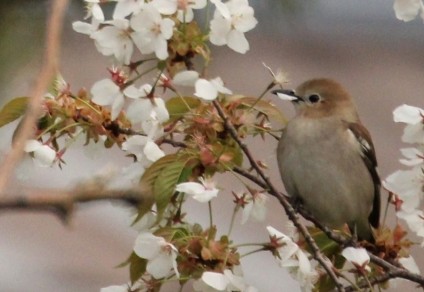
[(313, 98)]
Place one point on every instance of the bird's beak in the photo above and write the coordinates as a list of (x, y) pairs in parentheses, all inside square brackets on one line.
[(287, 94)]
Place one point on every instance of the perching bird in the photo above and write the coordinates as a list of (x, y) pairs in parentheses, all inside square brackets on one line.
[(327, 160)]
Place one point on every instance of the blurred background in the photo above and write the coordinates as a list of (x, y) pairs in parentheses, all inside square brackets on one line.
[(378, 58)]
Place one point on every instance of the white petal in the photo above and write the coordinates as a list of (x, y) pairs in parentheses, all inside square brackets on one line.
[(206, 195), (104, 92), (148, 246), (220, 28), (117, 105), (152, 151), (32, 145), (408, 114), (186, 78), (191, 188), (222, 8), (44, 156), (358, 256), (215, 280), (205, 89), (160, 109), (160, 266), (219, 85), (413, 134), (166, 7), (237, 41), (406, 10)]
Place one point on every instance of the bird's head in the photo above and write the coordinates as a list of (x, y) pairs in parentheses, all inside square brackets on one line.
[(319, 98)]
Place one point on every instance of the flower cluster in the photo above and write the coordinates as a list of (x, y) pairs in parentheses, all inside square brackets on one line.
[(408, 185)]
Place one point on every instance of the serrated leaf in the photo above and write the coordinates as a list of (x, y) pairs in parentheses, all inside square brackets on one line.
[(179, 106), (165, 183), (13, 110), (162, 176), (265, 107)]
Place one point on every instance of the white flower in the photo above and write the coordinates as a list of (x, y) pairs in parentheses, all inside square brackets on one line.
[(114, 39), (94, 10), (414, 118), (407, 184), (294, 259), (231, 20), (357, 256), (414, 220), (407, 10), (186, 78), (255, 207), (124, 8), (147, 109), (86, 28), (151, 31), (208, 90), (226, 281), (106, 92), (43, 155), (414, 157), (184, 8), (202, 192), (144, 149), (160, 254)]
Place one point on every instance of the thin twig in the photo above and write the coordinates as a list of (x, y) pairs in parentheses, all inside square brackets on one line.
[(282, 199), (51, 57)]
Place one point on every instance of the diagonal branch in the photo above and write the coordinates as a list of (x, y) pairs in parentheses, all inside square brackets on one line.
[(54, 28), (317, 254)]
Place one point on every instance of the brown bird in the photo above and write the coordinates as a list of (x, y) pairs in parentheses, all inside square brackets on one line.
[(327, 160)]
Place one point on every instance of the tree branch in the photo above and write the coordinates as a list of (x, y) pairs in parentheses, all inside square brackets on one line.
[(61, 203), (51, 57), (281, 198)]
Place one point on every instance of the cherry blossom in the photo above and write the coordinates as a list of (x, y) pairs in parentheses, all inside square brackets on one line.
[(94, 10), (186, 78), (226, 281), (184, 8), (231, 20), (114, 40), (144, 149), (151, 31), (414, 118), (43, 155), (291, 256), (357, 256), (106, 92), (255, 207), (202, 192), (124, 8), (160, 254), (208, 90)]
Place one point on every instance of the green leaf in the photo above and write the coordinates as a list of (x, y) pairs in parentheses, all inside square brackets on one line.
[(165, 183), (179, 106), (137, 267), (264, 107), (13, 110), (162, 176)]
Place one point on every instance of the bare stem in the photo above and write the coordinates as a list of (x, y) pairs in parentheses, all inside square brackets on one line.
[(51, 57)]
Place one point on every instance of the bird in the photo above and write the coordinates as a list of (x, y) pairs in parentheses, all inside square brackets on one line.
[(327, 159)]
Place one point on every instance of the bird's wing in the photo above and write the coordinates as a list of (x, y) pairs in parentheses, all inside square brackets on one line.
[(367, 151)]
